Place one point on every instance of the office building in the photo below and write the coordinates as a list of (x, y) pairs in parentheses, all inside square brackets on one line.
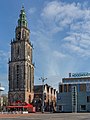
[(74, 93)]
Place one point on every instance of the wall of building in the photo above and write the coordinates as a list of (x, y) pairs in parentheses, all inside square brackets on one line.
[(64, 102), (82, 100), (64, 97), (49, 97)]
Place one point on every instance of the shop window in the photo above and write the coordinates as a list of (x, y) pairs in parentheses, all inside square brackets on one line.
[(65, 88), (88, 98), (69, 88), (60, 88), (83, 107), (60, 108)]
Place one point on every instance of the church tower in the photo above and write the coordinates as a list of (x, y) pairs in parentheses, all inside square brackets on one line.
[(21, 68)]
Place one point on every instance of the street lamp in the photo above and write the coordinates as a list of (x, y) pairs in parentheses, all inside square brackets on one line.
[(43, 79)]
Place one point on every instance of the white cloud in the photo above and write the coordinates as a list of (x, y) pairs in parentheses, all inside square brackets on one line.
[(58, 54), (32, 10), (74, 20), (76, 50), (53, 68), (4, 55), (51, 10), (62, 14), (62, 36)]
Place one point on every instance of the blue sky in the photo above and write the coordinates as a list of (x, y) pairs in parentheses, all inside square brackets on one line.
[(60, 33)]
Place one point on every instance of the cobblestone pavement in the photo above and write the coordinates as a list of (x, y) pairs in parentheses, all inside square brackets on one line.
[(46, 116)]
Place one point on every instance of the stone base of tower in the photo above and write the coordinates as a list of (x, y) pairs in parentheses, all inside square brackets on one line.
[(20, 96), (29, 97)]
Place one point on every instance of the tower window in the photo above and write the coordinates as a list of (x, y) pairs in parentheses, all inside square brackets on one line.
[(18, 51), (17, 76), (23, 22), (19, 34)]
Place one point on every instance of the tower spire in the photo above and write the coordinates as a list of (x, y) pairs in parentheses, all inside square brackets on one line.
[(22, 18)]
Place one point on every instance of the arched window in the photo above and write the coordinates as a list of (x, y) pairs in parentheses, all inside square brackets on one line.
[(18, 51), (18, 69)]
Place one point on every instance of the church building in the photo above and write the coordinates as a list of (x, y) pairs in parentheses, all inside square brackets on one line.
[(21, 68)]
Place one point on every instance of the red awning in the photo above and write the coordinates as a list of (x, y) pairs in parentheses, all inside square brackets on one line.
[(26, 106), (19, 104), (14, 106)]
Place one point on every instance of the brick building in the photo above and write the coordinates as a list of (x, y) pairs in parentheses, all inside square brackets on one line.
[(49, 97)]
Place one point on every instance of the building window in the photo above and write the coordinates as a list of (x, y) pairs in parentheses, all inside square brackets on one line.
[(60, 108), (65, 88), (23, 22), (60, 88), (88, 98), (18, 35), (83, 107), (69, 88), (82, 87), (18, 51), (30, 78), (18, 76)]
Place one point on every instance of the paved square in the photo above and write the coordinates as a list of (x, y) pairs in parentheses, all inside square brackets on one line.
[(47, 116)]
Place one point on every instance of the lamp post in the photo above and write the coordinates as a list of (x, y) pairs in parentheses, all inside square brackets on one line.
[(43, 79)]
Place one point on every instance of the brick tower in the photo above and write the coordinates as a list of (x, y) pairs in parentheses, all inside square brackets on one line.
[(21, 68)]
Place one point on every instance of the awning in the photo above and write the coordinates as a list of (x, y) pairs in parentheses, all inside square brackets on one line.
[(14, 106), (19, 104), (26, 106)]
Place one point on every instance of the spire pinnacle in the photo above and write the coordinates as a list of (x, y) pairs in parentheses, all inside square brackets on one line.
[(22, 7), (22, 18)]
